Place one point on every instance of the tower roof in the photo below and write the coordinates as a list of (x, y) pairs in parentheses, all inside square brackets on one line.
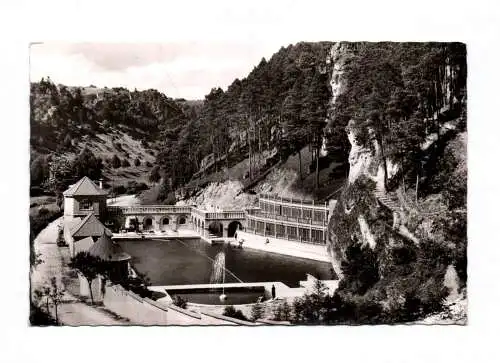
[(107, 250), (90, 226), (84, 186)]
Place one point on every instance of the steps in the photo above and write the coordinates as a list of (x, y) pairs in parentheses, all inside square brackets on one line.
[(387, 201)]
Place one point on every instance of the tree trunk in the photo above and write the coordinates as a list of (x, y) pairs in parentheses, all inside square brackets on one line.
[(300, 163), (57, 319), (90, 291), (317, 169), (416, 190), (384, 161)]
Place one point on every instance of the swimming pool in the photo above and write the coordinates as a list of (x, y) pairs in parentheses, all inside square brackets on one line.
[(190, 261)]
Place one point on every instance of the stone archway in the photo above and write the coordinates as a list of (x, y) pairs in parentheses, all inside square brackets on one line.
[(216, 228), (165, 221), (182, 220), (233, 227), (147, 223)]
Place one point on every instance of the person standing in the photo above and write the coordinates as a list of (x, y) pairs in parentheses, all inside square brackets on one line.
[(273, 292)]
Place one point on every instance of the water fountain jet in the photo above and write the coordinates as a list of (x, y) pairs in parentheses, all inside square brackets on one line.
[(219, 273)]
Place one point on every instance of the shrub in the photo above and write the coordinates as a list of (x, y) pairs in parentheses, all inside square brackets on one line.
[(67, 141), (116, 162), (60, 238), (286, 311), (179, 301), (125, 163), (118, 146), (119, 189), (43, 212), (278, 313), (39, 317), (148, 164), (155, 175), (233, 313), (257, 311), (137, 162), (133, 187)]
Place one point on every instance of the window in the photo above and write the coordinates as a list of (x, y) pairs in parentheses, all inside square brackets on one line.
[(85, 204), (291, 232), (317, 236), (304, 234), (307, 213), (280, 230), (319, 216), (166, 221), (182, 220)]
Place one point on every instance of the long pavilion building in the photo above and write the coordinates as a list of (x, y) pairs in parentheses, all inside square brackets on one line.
[(286, 218)]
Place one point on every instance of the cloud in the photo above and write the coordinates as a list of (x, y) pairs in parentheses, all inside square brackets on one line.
[(186, 70)]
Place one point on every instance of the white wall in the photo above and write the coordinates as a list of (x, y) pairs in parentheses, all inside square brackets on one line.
[(69, 206), (285, 247), (143, 311)]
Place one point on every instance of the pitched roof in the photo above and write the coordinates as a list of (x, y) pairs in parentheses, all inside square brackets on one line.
[(107, 250), (71, 222), (83, 244), (90, 226), (84, 186)]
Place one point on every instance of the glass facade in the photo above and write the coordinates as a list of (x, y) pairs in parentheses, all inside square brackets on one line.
[(302, 221)]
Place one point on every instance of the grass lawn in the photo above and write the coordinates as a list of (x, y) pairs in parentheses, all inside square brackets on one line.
[(45, 201)]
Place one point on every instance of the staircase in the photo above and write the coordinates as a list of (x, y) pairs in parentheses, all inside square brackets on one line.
[(385, 200)]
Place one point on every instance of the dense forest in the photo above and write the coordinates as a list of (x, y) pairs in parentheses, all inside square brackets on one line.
[(406, 105), (61, 117), (281, 106), (402, 92)]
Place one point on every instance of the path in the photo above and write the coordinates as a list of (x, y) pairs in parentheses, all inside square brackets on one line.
[(124, 201), (71, 311)]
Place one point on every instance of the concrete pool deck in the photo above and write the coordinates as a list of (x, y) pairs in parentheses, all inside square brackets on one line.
[(282, 290), (283, 293), (275, 245)]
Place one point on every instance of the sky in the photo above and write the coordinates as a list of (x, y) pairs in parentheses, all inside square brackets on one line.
[(180, 70)]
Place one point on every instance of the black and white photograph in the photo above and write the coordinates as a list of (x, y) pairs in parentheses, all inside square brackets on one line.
[(244, 184)]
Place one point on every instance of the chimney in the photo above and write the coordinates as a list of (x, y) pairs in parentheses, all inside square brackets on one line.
[(100, 183)]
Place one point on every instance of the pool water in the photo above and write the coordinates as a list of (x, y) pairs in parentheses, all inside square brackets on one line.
[(190, 261), (234, 295)]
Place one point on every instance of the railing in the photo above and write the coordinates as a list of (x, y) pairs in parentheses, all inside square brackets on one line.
[(152, 209), (226, 215), (274, 217), (308, 202), (230, 214)]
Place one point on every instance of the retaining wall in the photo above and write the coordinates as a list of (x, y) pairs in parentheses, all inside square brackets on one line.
[(144, 311)]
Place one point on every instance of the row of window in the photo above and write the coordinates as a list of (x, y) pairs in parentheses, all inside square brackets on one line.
[(290, 232), (164, 221), (294, 212)]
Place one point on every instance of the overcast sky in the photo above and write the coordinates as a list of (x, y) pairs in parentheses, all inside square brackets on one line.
[(187, 70)]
